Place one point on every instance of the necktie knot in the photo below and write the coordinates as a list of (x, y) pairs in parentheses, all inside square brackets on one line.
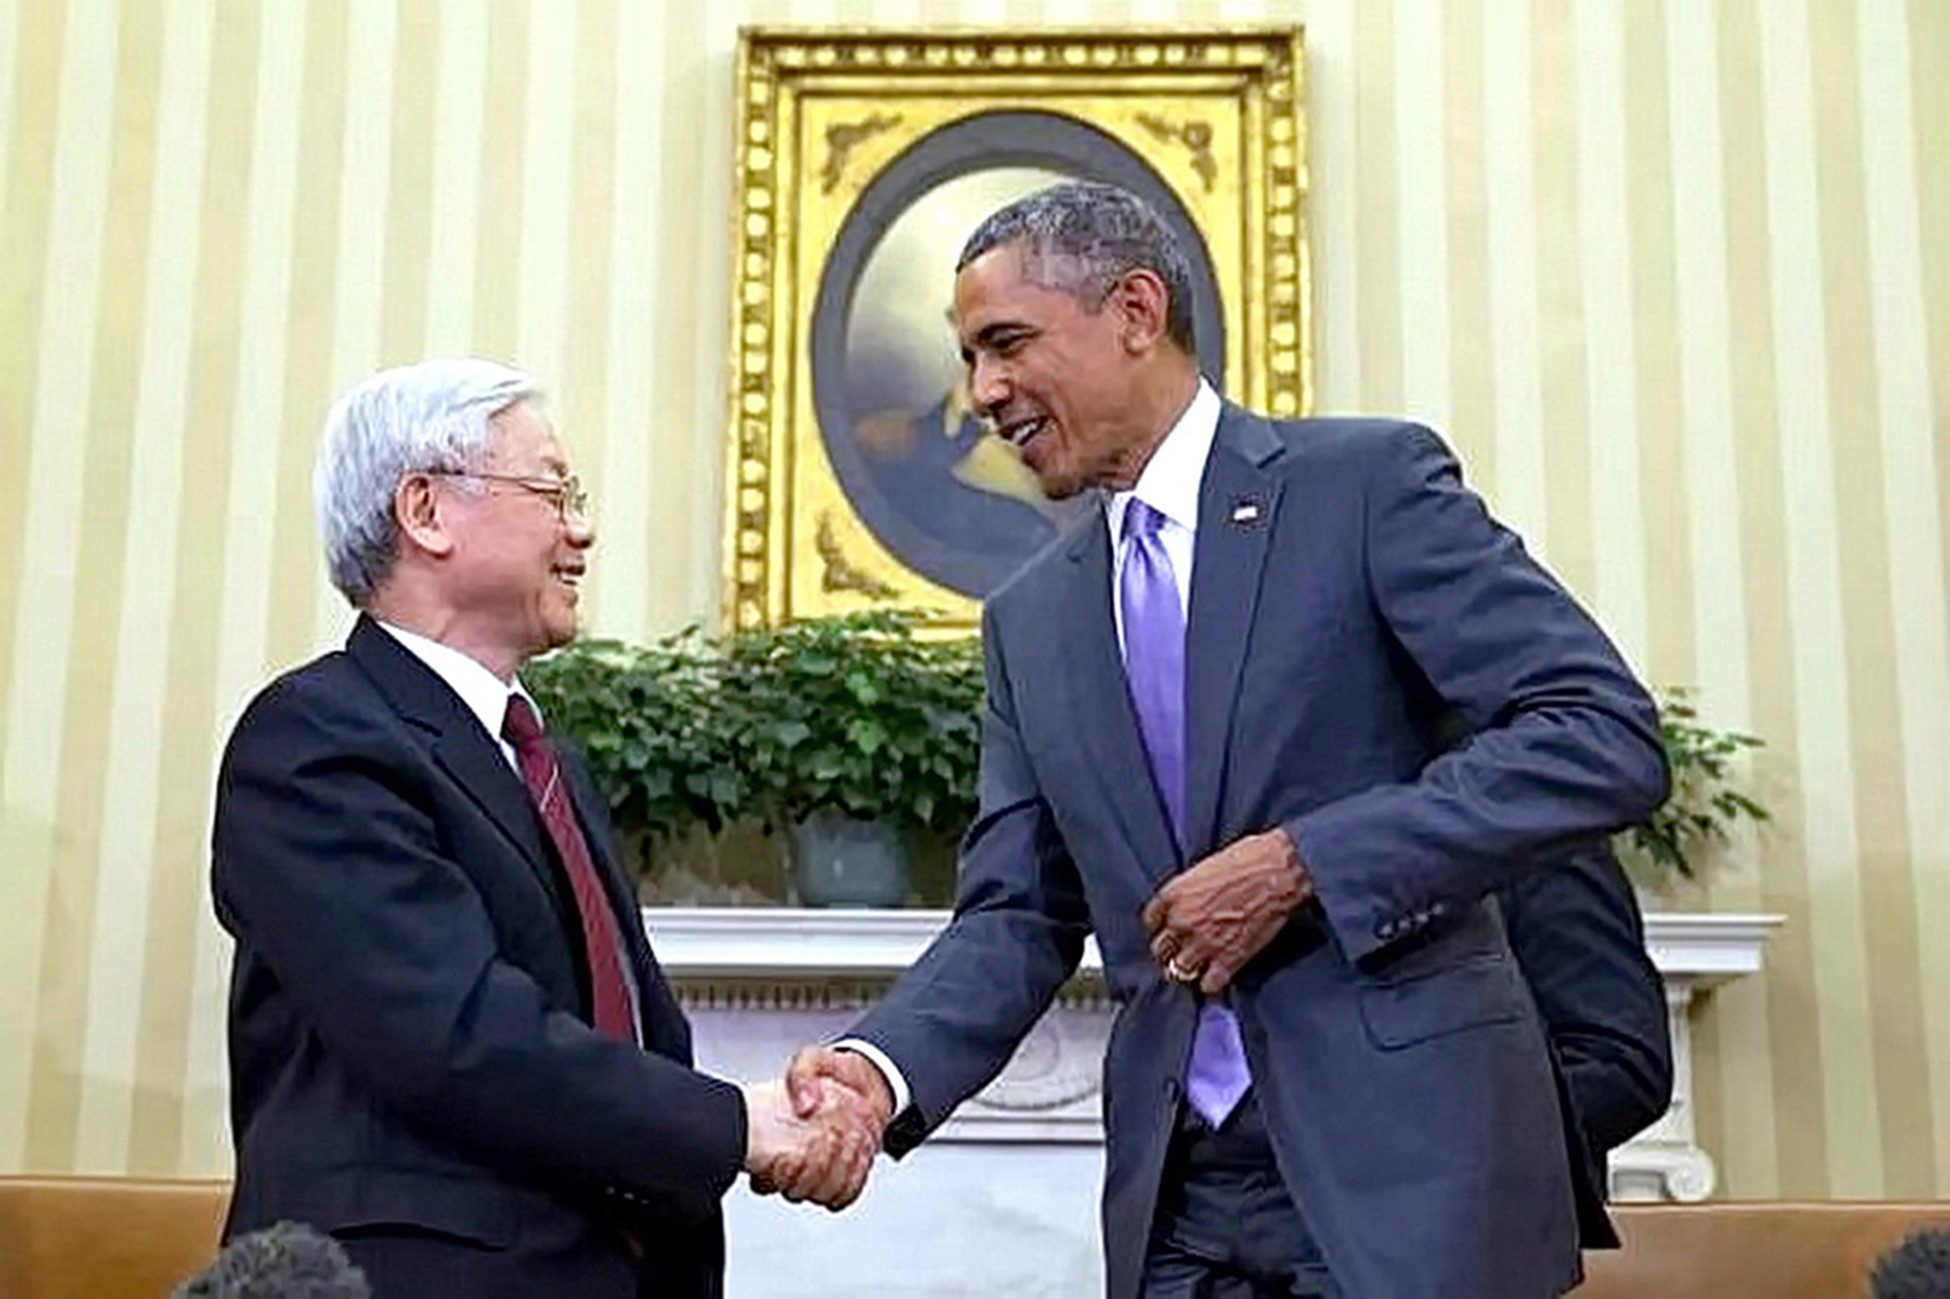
[(1141, 520), (519, 725)]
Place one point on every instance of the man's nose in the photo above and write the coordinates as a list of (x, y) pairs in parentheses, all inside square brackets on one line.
[(988, 386)]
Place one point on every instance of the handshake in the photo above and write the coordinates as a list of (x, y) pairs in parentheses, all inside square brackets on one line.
[(813, 1135)]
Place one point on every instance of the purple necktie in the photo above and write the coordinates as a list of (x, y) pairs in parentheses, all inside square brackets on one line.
[(1154, 669)]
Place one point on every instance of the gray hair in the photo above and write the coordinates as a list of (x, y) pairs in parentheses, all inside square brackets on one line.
[(432, 416), (1083, 237)]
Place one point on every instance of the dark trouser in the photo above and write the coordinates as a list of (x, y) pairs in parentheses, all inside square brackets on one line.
[(1226, 1227)]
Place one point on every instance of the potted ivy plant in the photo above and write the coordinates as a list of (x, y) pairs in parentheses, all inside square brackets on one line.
[(848, 736), (854, 732)]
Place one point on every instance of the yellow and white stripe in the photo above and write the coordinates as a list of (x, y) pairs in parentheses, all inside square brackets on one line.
[(1913, 461)]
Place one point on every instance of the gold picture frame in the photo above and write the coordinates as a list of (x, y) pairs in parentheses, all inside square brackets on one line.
[(856, 477)]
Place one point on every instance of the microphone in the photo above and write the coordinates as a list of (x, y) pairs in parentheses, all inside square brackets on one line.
[(287, 1260)]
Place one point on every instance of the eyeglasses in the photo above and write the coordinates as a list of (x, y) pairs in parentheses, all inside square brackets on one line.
[(568, 494)]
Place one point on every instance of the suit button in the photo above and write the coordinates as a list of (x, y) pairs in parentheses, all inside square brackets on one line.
[(1385, 930), (1439, 909)]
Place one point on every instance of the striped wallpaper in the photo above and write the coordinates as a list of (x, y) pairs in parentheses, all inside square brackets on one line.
[(1673, 274)]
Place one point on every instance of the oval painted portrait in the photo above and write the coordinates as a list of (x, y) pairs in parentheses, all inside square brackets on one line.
[(918, 465)]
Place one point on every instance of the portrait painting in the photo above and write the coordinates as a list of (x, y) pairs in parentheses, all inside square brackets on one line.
[(860, 473)]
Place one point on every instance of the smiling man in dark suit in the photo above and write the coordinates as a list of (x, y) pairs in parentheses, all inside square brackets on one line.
[(450, 1045), (1213, 738)]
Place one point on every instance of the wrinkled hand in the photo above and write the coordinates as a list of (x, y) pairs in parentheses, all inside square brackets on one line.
[(822, 1080), (823, 1158), (1216, 915)]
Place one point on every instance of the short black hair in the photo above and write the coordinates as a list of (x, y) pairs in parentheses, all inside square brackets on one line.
[(1084, 236)]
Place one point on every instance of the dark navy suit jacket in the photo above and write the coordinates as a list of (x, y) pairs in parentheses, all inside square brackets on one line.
[(410, 1049), (1347, 593)]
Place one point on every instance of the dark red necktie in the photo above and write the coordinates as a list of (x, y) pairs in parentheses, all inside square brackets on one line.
[(601, 939)]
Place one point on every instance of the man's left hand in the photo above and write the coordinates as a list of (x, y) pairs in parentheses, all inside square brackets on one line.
[(1218, 913)]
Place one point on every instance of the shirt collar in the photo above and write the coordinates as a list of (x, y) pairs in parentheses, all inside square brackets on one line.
[(1171, 479), (485, 694)]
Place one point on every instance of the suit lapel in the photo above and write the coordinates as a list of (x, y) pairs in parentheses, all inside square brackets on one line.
[(460, 746), (476, 763), (1106, 723), (1238, 502)]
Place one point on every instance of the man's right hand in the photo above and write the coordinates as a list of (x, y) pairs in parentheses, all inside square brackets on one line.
[(823, 1157), (822, 1079)]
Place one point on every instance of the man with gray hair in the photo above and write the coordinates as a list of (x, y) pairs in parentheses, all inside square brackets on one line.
[(450, 1045), (1216, 737)]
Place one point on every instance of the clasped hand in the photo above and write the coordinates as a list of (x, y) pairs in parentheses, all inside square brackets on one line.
[(814, 1135)]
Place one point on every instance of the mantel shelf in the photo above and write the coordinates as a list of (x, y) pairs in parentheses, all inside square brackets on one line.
[(794, 943)]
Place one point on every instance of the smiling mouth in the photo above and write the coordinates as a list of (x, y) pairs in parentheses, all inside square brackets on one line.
[(571, 578), (1021, 433)]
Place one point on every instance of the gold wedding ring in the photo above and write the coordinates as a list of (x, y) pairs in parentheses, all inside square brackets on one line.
[(1178, 973)]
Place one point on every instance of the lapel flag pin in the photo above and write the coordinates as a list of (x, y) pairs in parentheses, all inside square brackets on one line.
[(1245, 513)]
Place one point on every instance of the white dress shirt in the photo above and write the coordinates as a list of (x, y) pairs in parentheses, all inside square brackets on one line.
[(485, 694), (1169, 484)]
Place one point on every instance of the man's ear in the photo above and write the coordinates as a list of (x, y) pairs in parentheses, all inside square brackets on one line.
[(1142, 304), (417, 511)]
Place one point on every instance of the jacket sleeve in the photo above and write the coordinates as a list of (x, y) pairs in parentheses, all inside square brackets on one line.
[(328, 865), (1565, 742), (954, 1018)]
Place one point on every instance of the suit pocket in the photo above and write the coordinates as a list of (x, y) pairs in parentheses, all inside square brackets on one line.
[(392, 1202), (1478, 991)]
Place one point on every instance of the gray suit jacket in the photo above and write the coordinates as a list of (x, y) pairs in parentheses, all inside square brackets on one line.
[(1347, 591)]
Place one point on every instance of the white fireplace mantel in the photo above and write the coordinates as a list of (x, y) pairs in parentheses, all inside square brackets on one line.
[(759, 981)]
